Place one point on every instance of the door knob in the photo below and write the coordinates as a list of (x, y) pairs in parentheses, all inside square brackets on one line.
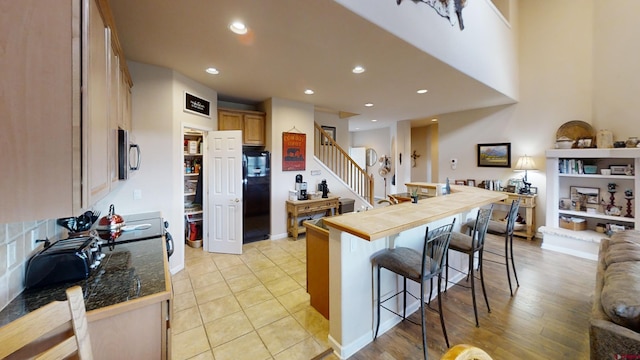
[(237, 200)]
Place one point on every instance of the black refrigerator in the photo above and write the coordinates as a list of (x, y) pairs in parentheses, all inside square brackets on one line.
[(256, 195)]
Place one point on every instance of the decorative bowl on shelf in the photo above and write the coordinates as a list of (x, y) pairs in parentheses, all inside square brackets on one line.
[(590, 169), (564, 143)]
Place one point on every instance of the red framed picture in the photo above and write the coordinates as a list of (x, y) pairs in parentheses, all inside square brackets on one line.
[(293, 151)]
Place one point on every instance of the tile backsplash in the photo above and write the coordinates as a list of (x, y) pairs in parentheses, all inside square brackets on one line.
[(17, 245)]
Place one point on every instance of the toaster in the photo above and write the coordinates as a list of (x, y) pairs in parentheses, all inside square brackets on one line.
[(65, 260)]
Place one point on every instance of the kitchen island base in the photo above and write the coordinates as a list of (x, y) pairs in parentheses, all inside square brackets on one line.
[(354, 238)]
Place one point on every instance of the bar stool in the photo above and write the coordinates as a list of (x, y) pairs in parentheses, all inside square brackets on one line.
[(506, 228), (470, 245), (418, 267)]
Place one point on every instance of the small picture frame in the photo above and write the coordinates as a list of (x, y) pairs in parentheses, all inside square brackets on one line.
[(331, 130), (565, 204), (586, 194), (471, 182), (510, 188), (618, 169), (533, 190), (460, 182)]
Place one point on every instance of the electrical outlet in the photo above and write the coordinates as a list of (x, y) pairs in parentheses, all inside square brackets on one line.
[(34, 237)]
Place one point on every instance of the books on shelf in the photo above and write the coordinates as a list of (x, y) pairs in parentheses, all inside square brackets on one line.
[(571, 166)]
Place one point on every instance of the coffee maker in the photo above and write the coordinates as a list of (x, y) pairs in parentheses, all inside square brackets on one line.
[(301, 188)]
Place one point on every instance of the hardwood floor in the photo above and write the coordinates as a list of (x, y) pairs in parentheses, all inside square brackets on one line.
[(547, 317)]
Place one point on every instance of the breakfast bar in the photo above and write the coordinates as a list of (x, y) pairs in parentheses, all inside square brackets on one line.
[(355, 237)]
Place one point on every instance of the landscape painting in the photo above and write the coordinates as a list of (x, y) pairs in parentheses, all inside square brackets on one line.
[(494, 155)]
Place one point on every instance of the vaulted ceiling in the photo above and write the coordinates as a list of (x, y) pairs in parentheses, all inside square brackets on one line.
[(294, 45)]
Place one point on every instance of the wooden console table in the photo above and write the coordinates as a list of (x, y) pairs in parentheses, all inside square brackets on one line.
[(528, 203), (296, 208)]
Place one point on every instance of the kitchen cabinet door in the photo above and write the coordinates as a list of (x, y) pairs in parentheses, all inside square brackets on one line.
[(115, 111), (96, 121), (252, 124), (253, 133), (40, 124), (228, 120)]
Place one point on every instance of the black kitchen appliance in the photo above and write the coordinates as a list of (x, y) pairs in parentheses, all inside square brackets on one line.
[(69, 259), (301, 188), (256, 195)]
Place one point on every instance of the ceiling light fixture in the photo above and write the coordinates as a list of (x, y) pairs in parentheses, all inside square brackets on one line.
[(434, 120), (212, 71), (358, 70), (309, 92), (373, 120), (422, 91), (238, 28), (368, 104)]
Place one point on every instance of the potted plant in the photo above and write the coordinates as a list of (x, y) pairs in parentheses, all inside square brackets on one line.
[(414, 196)]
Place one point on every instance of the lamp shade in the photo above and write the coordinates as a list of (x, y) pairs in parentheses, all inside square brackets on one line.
[(525, 163)]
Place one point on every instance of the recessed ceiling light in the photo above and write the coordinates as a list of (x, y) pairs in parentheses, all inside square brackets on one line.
[(212, 71), (422, 91), (238, 28), (357, 128), (368, 104), (308, 92), (373, 120), (434, 120), (358, 70)]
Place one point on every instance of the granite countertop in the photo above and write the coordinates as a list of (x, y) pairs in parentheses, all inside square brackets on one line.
[(129, 271)]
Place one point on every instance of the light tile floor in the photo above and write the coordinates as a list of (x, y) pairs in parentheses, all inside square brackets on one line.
[(250, 306)]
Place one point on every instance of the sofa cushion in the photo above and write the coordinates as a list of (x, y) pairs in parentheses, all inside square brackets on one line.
[(620, 296), (622, 251), (627, 236)]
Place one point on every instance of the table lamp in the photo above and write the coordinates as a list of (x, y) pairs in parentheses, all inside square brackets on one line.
[(525, 163)]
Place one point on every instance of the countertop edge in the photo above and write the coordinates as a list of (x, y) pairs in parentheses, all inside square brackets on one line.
[(466, 195)]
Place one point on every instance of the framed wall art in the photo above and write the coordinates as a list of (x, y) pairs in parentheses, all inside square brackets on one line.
[(294, 146), (331, 131), (494, 155), (197, 105)]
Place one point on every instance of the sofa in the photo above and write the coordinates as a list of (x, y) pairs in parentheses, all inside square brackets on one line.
[(614, 331)]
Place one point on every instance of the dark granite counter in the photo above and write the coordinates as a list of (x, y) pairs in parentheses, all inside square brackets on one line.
[(129, 271)]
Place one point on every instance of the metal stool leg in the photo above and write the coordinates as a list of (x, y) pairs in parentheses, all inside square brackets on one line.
[(513, 264), (484, 291), (375, 335)]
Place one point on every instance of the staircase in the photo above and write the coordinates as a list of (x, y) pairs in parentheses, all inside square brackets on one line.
[(338, 161)]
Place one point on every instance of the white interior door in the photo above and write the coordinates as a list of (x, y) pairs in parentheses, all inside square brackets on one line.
[(225, 192)]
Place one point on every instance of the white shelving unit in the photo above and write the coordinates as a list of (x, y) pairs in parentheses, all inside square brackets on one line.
[(193, 160), (585, 243)]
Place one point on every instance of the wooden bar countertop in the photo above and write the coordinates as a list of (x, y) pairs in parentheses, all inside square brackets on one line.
[(384, 221)]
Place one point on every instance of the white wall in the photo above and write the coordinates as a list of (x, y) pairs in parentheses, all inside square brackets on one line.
[(420, 140), (379, 140), (157, 121), (471, 51), (342, 127), (561, 80), (615, 62), (284, 115)]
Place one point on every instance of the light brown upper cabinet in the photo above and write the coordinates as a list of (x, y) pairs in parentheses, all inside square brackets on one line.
[(49, 139), (252, 124)]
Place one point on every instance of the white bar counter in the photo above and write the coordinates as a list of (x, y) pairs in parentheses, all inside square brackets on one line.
[(355, 237)]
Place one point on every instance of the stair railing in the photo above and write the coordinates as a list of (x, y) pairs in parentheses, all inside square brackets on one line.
[(337, 160)]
